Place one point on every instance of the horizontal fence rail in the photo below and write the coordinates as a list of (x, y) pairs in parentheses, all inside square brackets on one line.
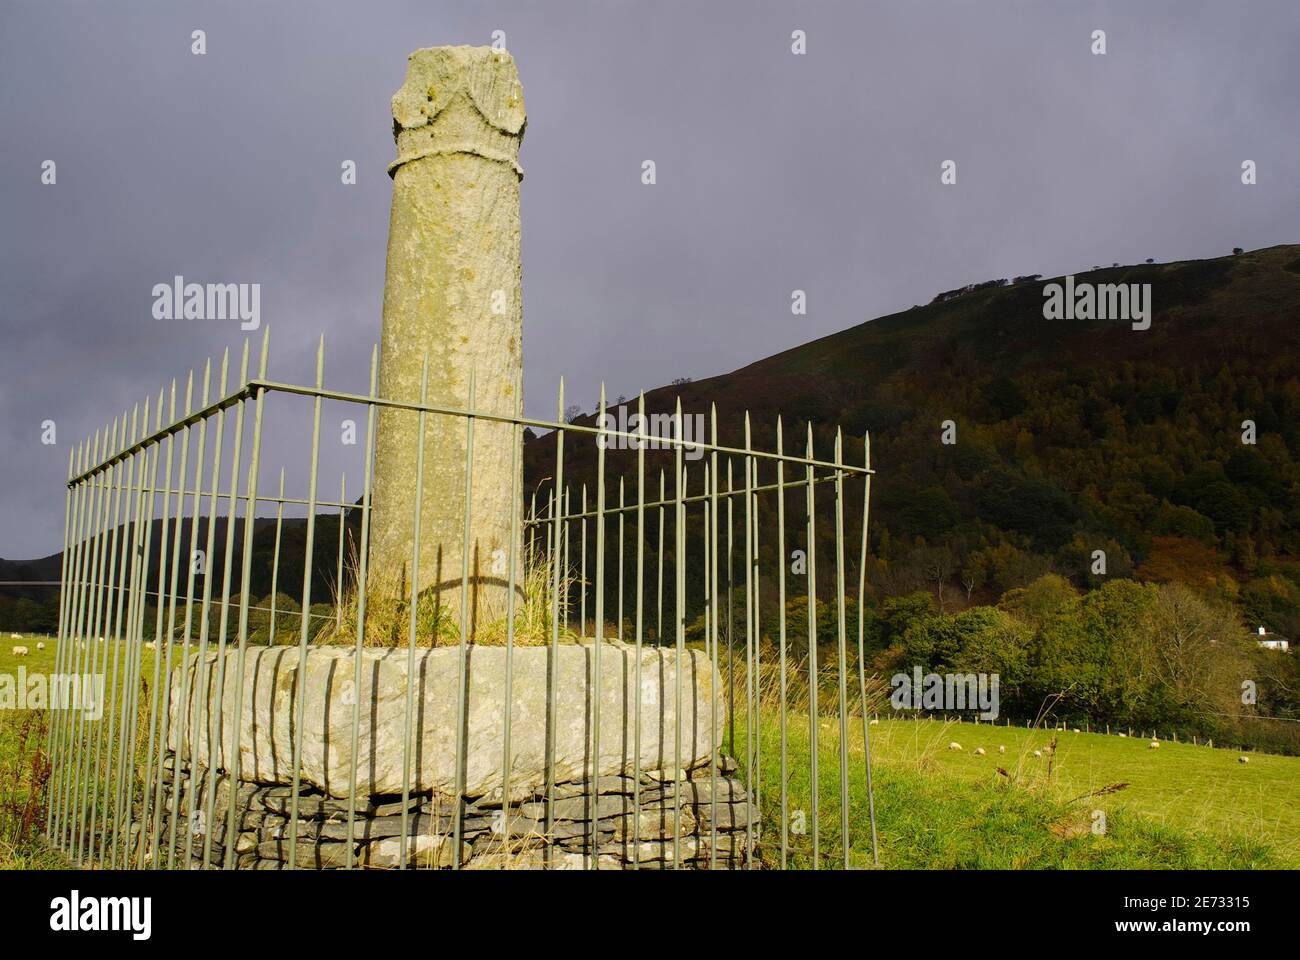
[(674, 676)]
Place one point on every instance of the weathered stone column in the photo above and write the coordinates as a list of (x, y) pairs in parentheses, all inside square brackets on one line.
[(452, 289)]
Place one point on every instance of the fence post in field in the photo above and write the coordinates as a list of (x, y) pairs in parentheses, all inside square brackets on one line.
[(452, 289)]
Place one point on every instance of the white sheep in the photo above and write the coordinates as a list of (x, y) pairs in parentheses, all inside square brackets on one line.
[(1243, 759), (15, 636), (1077, 730), (1002, 748), (1125, 735), (1038, 753), (19, 651), (874, 721), (1154, 745), (954, 745), (979, 751), (40, 644), (149, 645)]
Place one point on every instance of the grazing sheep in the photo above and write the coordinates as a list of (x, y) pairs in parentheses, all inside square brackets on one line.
[(1154, 745), (15, 636), (40, 644), (979, 751), (1002, 748), (1077, 730), (1243, 759), (19, 651), (1038, 753), (954, 745), (149, 644), (1124, 735), (874, 721)]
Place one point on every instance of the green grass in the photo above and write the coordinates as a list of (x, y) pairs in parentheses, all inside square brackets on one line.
[(30, 852), (21, 739), (1183, 807)]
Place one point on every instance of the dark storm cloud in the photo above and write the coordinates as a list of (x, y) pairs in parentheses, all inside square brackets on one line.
[(775, 172)]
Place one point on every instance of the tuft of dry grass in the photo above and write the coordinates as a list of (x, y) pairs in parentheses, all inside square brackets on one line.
[(798, 687), (24, 774), (388, 612)]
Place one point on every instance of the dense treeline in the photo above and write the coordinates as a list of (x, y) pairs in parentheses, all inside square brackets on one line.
[(1127, 654)]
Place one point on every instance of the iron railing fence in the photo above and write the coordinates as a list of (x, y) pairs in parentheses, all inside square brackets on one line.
[(692, 549)]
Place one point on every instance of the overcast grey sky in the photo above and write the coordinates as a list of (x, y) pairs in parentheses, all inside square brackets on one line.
[(775, 172)]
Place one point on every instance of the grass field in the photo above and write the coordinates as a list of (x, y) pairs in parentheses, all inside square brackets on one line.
[(1183, 806)]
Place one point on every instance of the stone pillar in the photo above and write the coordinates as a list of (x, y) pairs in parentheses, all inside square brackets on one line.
[(453, 289)]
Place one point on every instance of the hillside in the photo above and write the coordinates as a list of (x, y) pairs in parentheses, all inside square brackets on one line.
[(1071, 435)]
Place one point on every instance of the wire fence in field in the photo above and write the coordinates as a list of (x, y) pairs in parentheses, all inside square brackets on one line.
[(642, 551)]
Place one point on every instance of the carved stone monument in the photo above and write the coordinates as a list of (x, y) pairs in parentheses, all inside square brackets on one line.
[(452, 292)]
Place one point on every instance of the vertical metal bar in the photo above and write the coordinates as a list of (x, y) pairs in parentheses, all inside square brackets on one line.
[(67, 649), (679, 584), (202, 671), (413, 605), (507, 706), (235, 760), (275, 558), (164, 725), (137, 830), (113, 602), (60, 645), (640, 633), (303, 635), (582, 575), (362, 574), (751, 771), (862, 669), (706, 595), (88, 617), (780, 569), (553, 675), (113, 638), (731, 646), (217, 711), (130, 649), (104, 630), (72, 589), (86, 735), (757, 818), (338, 574), (532, 527), (843, 664), (707, 585), (148, 799), (714, 740), (568, 533), (621, 576), (598, 641), (659, 603), (189, 677), (462, 693), (136, 648), (551, 537), (812, 647)]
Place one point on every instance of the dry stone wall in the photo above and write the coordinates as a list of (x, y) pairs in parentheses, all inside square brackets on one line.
[(589, 828), (623, 812)]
